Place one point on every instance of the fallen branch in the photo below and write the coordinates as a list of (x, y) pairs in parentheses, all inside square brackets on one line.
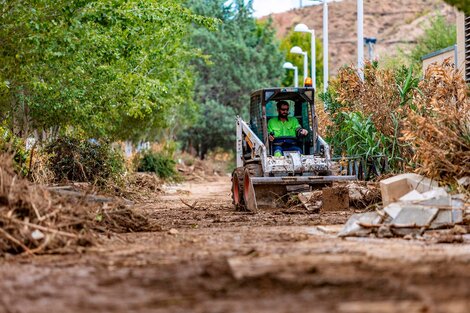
[(43, 228), (19, 243), (191, 206)]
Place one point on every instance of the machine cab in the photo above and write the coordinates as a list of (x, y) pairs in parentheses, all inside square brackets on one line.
[(263, 107)]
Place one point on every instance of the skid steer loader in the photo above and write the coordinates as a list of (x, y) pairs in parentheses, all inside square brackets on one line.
[(262, 180)]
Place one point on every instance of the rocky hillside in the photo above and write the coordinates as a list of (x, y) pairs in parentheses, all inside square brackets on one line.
[(395, 24)]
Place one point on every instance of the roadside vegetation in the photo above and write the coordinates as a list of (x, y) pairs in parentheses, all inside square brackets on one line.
[(417, 123), (77, 79)]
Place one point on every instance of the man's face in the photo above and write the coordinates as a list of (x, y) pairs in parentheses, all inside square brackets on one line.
[(283, 111)]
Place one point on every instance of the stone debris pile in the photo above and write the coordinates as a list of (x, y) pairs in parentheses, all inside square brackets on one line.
[(412, 205)]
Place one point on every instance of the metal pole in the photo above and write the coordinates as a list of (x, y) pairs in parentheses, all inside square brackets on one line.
[(360, 38), (325, 45), (296, 76), (314, 61), (305, 65)]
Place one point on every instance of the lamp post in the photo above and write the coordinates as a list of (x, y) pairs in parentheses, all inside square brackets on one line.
[(302, 28), (360, 38), (298, 50), (290, 66), (325, 39)]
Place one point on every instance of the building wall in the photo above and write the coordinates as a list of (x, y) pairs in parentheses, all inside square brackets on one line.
[(439, 59), (461, 41)]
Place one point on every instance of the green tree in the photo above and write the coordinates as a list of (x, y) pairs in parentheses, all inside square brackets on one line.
[(303, 40), (462, 5), (242, 55), (108, 68), (439, 35), (215, 127)]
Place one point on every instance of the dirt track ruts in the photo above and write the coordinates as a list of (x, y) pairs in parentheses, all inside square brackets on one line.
[(219, 260)]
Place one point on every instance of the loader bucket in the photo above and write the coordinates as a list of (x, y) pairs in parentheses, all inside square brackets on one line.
[(270, 192)]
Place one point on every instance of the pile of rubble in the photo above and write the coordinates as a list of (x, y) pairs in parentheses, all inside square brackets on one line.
[(412, 205), (341, 197)]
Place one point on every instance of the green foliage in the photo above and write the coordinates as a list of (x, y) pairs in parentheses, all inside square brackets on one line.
[(462, 5), (406, 84), (360, 137), (158, 163), (12, 145), (215, 127), (74, 159), (242, 55), (114, 69), (439, 35), (303, 40)]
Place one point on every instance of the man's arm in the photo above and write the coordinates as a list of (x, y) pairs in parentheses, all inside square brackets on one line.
[(270, 130), (298, 129)]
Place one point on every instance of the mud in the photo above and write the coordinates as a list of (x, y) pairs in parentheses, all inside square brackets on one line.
[(208, 258)]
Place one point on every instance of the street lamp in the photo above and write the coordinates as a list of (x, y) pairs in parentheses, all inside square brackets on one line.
[(290, 66), (302, 28), (298, 50), (325, 39), (360, 38)]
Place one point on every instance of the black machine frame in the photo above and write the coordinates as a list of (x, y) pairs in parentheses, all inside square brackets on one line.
[(259, 119)]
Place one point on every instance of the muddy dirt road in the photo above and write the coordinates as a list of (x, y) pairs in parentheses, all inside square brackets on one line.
[(209, 258)]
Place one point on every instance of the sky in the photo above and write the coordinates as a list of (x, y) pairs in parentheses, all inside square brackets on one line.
[(265, 7)]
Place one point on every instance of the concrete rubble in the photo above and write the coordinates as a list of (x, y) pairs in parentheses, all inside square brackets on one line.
[(412, 205), (340, 197)]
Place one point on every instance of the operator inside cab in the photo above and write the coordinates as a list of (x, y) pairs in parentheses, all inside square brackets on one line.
[(284, 129)]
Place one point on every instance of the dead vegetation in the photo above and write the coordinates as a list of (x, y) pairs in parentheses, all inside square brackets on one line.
[(122, 219), (439, 128), (35, 221), (32, 221), (377, 96), (194, 169), (137, 187)]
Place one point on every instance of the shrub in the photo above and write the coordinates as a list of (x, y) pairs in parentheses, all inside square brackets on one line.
[(382, 100), (158, 163), (439, 35), (438, 129), (82, 160)]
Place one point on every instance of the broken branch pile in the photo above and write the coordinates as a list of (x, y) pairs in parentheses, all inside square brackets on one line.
[(32, 221), (139, 187), (35, 221)]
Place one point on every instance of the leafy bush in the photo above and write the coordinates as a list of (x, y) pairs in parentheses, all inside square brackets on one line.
[(158, 163), (367, 116), (11, 144), (361, 138), (439, 35), (82, 160)]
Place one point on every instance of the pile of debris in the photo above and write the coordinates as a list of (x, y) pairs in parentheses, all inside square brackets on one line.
[(341, 197), (138, 187), (38, 220), (412, 205), (200, 170)]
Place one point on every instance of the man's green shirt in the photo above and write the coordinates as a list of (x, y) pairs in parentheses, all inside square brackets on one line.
[(283, 129)]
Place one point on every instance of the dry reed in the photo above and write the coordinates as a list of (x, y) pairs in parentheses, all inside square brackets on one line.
[(439, 128)]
